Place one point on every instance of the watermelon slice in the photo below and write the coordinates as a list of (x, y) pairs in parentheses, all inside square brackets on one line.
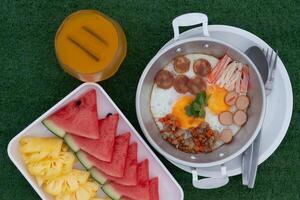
[(153, 189), (130, 172), (139, 192), (116, 166), (78, 117), (101, 148)]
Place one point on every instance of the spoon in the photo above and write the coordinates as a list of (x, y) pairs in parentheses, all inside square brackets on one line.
[(258, 57)]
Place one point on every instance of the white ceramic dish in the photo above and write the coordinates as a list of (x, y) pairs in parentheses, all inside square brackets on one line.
[(168, 186), (279, 102)]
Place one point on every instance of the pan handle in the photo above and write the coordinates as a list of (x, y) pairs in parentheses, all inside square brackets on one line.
[(190, 19), (210, 183)]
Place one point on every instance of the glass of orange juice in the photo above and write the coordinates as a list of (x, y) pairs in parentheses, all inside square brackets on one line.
[(90, 45)]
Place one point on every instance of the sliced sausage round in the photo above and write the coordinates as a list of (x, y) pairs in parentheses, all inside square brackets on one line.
[(180, 84), (226, 135), (181, 64), (164, 79), (240, 118), (225, 118), (196, 85), (202, 67), (231, 98), (242, 102)]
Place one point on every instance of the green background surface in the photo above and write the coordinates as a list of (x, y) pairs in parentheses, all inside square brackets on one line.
[(32, 82)]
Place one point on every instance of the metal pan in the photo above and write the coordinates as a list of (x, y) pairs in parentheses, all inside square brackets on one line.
[(206, 45)]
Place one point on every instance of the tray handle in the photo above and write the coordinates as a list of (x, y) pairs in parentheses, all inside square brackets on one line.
[(210, 183), (190, 19)]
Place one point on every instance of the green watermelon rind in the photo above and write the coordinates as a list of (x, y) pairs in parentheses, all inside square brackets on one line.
[(51, 126), (81, 156), (111, 192), (98, 176), (71, 143)]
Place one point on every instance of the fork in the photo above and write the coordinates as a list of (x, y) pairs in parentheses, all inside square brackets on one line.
[(272, 67), (255, 146), (252, 153)]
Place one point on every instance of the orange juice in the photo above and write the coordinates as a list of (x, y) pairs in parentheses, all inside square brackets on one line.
[(90, 46)]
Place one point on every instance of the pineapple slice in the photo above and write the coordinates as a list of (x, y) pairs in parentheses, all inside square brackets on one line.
[(39, 180), (50, 162), (37, 148), (90, 187), (64, 147), (97, 198), (65, 197), (50, 168), (34, 157), (81, 175), (86, 191), (67, 183), (82, 194)]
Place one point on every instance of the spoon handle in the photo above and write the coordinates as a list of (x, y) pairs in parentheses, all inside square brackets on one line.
[(254, 161)]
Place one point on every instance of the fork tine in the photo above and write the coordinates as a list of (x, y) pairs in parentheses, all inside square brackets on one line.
[(273, 66), (272, 62), (275, 61), (271, 57), (267, 53)]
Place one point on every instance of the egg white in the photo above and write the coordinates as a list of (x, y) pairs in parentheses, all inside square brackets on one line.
[(162, 101), (213, 121)]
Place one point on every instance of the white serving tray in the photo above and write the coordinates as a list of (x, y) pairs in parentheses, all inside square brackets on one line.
[(168, 186), (279, 102)]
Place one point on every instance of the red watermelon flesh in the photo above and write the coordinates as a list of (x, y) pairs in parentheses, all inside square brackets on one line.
[(143, 172), (117, 165), (130, 172), (101, 148), (126, 198), (78, 117), (153, 189), (140, 191)]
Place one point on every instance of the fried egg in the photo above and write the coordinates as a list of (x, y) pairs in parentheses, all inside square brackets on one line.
[(162, 101), (216, 98), (216, 105), (169, 101), (178, 110), (213, 121)]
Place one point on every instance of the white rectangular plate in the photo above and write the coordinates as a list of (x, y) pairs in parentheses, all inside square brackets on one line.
[(168, 186)]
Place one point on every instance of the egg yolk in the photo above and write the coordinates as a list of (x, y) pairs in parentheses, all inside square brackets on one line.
[(179, 112), (216, 98)]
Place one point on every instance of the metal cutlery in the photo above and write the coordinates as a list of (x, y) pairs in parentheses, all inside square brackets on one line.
[(265, 61), (272, 62)]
